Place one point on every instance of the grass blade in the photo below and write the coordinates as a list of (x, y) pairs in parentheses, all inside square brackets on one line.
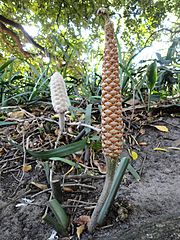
[(53, 222), (2, 123), (47, 170), (35, 89), (133, 172), (88, 117), (69, 162), (2, 67), (60, 215)]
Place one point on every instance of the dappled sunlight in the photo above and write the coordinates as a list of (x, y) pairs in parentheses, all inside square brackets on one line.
[(33, 31), (89, 135)]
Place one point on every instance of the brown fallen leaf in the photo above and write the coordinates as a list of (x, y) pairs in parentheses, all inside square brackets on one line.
[(16, 115), (83, 220), (132, 102), (143, 143), (26, 168), (2, 151), (57, 131), (80, 230), (161, 128), (68, 189), (142, 131), (40, 185)]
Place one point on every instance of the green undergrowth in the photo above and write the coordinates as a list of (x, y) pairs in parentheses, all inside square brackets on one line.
[(147, 81)]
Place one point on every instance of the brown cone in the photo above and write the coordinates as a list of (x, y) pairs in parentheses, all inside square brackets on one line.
[(112, 124)]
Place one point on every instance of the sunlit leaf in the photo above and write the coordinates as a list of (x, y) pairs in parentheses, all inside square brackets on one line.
[(134, 155), (82, 221), (161, 128), (55, 116), (26, 168), (160, 149), (2, 67), (79, 230)]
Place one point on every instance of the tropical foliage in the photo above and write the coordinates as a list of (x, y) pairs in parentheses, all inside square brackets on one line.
[(68, 39), (66, 29)]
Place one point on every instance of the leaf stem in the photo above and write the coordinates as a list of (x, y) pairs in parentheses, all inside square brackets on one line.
[(111, 167)]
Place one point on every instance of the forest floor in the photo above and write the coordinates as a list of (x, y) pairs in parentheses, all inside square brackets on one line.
[(145, 209)]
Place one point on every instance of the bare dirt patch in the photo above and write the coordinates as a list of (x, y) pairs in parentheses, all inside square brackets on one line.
[(140, 207)]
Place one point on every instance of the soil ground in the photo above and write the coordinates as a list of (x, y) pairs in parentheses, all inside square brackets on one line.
[(142, 210), (157, 196)]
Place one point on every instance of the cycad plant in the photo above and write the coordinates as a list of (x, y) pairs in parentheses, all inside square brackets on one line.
[(111, 119)]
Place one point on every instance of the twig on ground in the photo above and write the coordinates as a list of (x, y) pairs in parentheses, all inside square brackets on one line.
[(41, 192), (79, 206), (79, 201), (27, 113), (84, 176), (80, 135), (78, 185), (24, 155), (142, 166), (10, 159), (10, 169), (84, 125)]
